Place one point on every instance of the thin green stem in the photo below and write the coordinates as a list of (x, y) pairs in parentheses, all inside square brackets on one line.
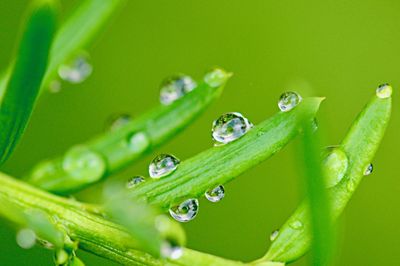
[(360, 146), (119, 148), (221, 164)]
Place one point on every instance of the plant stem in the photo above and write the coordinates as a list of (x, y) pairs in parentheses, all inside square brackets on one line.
[(119, 148)]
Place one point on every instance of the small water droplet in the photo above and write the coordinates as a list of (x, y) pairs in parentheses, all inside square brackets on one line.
[(76, 70), (229, 127), (163, 165), (216, 194), (138, 142), (335, 165), (55, 86), (314, 125), (43, 169), (83, 164), (384, 91), (134, 181), (288, 101), (118, 121), (351, 186), (296, 225), (26, 238), (171, 251), (369, 169), (216, 77), (274, 235), (186, 211), (176, 87)]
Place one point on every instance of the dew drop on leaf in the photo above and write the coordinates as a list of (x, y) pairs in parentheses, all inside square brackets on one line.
[(76, 70), (335, 164), (216, 194), (216, 77), (134, 181), (176, 87), (296, 224), (274, 235), (83, 164), (288, 101), (229, 127), (171, 251), (163, 165), (138, 142), (384, 91), (118, 121), (26, 238), (369, 169), (186, 211)]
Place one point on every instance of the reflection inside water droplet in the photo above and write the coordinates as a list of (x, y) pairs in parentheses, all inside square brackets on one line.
[(186, 211)]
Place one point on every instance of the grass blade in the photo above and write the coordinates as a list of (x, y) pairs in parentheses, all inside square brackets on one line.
[(116, 148), (219, 165), (26, 75), (360, 146), (75, 34)]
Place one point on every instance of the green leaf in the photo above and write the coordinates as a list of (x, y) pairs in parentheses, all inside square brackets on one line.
[(221, 164), (26, 75), (117, 149), (76, 33), (360, 146)]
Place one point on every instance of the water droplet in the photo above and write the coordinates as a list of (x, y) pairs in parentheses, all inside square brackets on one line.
[(118, 121), (288, 101), (26, 238), (216, 194), (274, 235), (229, 127), (186, 211), (43, 169), (335, 165), (384, 91), (314, 125), (55, 86), (176, 87), (134, 181), (76, 70), (351, 186), (171, 251), (83, 164), (369, 169), (296, 225), (138, 142), (163, 165), (216, 77)]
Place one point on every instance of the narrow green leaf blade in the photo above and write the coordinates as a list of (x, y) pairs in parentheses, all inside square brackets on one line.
[(219, 165), (360, 146), (26, 75)]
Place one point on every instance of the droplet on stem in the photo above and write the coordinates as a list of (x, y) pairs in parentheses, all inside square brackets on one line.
[(274, 235), (176, 87), (186, 211), (171, 251), (288, 101), (216, 194), (384, 91), (229, 127), (76, 70), (163, 165), (369, 169), (134, 181), (216, 77), (335, 165)]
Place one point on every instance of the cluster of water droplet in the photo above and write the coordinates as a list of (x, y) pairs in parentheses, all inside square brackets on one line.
[(76, 70)]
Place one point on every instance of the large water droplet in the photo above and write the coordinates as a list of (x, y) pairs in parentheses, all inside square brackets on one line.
[(186, 211), (138, 142), (76, 70), (296, 225), (384, 91), (335, 165), (216, 194), (216, 77), (171, 251), (369, 169), (163, 165), (229, 127), (83, 164), (288, 101), (118, 121), (134, 181), (176, 87), (274, 235), (26, 238)]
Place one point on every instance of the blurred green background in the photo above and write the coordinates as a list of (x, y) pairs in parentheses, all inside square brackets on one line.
[(335, 48)]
